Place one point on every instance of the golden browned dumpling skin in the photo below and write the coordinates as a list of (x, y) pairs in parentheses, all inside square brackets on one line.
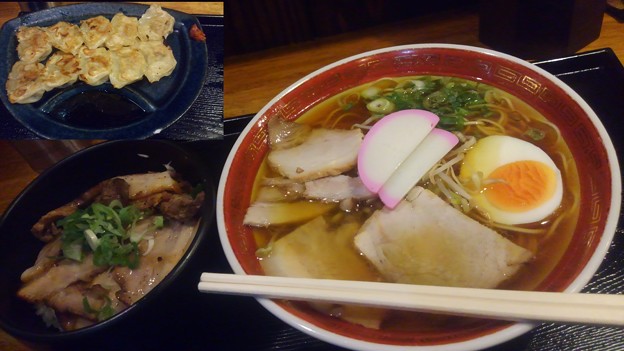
[(121, 50), (65, 37), (160, 60), (61, 69), (155, 24), (33, 44), (95, 31), (24, 84), (95, 65), (124, 32), (128, 66)]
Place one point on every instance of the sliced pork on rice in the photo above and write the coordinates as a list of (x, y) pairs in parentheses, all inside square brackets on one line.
[(76, 286)]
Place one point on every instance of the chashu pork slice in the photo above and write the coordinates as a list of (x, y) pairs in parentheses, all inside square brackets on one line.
[(426, 241), (325, 152), (59, 277), (141, 189), (169, 245), (46, 259), (337, 188), (146, 184), (327, 189), (318, 249)]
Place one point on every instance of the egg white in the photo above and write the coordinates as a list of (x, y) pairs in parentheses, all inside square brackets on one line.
[(495, 151)]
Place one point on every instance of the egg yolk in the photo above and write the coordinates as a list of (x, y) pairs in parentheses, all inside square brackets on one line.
[(521, 186)]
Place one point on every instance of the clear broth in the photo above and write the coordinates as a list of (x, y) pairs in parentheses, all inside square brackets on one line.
[(547, 250)]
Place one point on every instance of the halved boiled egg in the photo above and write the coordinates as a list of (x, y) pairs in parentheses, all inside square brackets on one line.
[(521, 183)]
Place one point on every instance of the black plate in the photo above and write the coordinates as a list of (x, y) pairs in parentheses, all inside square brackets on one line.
[(156, 105)]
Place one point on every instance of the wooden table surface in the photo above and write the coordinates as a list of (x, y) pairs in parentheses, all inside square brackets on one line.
[(251, 80), (254, 79)]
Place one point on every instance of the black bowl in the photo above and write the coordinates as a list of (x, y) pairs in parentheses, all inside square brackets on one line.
[(65, 181)]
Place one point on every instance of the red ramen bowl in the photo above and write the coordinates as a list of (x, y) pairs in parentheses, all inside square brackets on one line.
[(588, 142)]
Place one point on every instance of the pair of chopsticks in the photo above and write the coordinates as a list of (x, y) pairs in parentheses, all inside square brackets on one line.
[(514, 305)]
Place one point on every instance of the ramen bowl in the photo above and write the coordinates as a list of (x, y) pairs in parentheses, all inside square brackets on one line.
[(581, 243), (62, 183)]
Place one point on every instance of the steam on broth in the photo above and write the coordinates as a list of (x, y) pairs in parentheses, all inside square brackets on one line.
[(473, 111)]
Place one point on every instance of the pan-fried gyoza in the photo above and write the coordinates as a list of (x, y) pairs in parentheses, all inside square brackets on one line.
[(121, 50), (109, 247)]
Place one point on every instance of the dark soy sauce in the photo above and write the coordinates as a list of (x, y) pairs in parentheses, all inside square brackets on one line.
[(97, 110)]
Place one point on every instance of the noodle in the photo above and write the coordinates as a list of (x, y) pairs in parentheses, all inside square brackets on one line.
[(486, 111), (341, 117)]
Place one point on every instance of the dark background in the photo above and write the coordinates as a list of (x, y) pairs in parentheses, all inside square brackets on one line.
[(261, 24)]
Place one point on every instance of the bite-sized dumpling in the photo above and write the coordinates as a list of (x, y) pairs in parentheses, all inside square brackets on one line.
[(95, 31), (95, 65), (24, 84), (155, 24), (60, 70), (128, 66), (33, 44), (65, 37), (160, 60), (124, 31)]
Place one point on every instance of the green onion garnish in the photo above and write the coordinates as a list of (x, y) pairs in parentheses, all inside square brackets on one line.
[(105, 231)]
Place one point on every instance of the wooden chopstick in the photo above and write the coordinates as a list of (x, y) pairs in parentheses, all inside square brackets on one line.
[(603, 309)]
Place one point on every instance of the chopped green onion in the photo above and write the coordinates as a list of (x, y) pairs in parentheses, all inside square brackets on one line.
[(265, 251), (380, 105), (136, 236), (105, 231), (72, 250), (453, 100), (535, 134), (370, 93), (159, 222), (92, 239), (86, 306), (419, 84), (111, 252), (107, 310), (104, 313)]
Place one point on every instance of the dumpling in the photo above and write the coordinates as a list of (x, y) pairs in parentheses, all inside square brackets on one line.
[(128, 66), (124, 31), (155, 24), (95, 65), (33, 44), (95, 31), (60, 70), (23, 84), (160, 60), (94, 51), (65, 37)]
